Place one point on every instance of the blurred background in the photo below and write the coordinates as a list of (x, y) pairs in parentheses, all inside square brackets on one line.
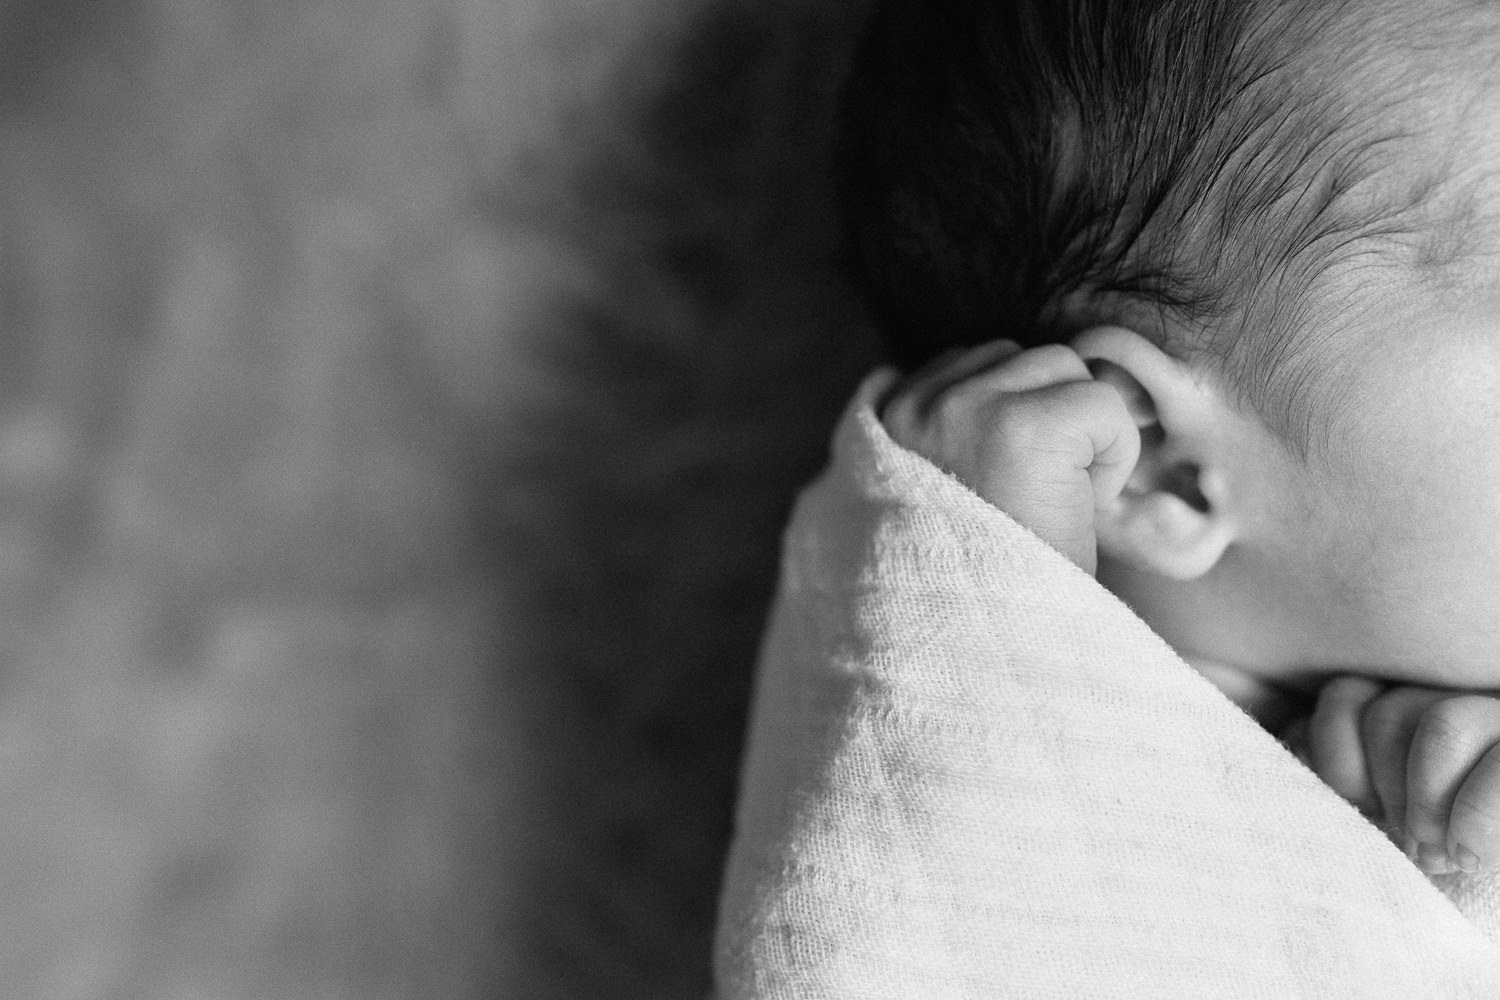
[(399, 406)]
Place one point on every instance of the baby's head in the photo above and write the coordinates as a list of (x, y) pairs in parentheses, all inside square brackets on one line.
[(1277, 223)]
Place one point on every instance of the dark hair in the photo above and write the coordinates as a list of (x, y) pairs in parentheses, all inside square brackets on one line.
[(1006, 163)]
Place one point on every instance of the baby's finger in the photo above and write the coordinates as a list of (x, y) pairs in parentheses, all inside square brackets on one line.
[(1000, 373), (1450, 740), (1076, 443), (1103, 416), (911, 402), (1335, 751), (1041, 367), (1474, 824), (930, 383), (1386, 728), (976, 359), (1091, 412), (901, 408)]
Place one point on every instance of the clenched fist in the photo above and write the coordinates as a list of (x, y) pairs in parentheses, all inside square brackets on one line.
[(1030, 431)]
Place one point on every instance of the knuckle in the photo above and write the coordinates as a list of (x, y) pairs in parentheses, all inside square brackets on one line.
[(967, 399), (954, 406), (1425, 817), (1347, 691), (1084, 394), (1011, 413), (1383, 717), (1027, 423), (1478, 713), (1476, 807), (1053, 355), (1396, 712), (1476, 816), (897, 402), (1337, 758), (899, 420), (1097, 403), (1039, 366), (1443, 732)]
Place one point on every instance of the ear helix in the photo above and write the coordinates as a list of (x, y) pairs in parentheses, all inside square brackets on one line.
[(1173, 518), (1137, 400), (1153, 472)]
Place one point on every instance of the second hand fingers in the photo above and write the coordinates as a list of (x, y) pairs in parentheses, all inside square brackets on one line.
[(1333, 742), (1451, 739), (1474, 825), (1386, 728)]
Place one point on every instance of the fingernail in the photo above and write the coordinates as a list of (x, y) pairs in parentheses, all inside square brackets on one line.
[(1466, 859), (1433, 860), (1409, 847)]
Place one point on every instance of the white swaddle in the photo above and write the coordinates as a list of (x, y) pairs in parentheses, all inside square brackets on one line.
[(972, 772)]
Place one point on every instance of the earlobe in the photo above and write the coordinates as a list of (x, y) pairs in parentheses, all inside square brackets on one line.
[(1163, 533), (1176, 516)]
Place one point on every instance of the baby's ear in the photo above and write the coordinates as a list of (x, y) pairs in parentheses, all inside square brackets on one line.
[(1176, 516)]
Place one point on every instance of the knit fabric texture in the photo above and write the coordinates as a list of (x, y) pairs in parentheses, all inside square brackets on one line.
[(972, 772)]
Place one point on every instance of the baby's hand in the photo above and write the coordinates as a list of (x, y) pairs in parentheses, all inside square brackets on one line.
[(1030, 431), (1425, 760)]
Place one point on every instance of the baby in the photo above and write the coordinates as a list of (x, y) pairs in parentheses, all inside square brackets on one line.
[(1207, 295)]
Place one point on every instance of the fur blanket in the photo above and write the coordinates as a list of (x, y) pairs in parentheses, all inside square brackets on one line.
[(401, 404)]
